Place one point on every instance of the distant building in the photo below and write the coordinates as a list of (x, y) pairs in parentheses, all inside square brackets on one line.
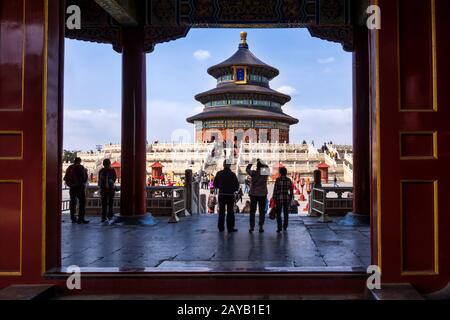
[(243, 104), (242, 107), (301, 159)]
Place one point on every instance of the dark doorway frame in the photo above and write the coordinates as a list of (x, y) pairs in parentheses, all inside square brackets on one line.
[(52, 250)]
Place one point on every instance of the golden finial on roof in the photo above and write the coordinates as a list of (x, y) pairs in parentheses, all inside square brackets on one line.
[(243, 39)]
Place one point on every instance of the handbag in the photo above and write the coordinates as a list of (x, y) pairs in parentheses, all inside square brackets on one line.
[(273, 210)]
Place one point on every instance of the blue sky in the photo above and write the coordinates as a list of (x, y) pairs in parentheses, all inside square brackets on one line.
[(316, 73)]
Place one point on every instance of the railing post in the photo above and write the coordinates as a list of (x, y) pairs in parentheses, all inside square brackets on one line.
[(202, 204), (174, 217), (324, 217), (188, 190), (317, 183)]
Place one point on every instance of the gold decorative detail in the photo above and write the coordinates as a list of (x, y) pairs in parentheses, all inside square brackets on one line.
[(244, 37), (18, 272), (378, 145), (434, 55), (44, 141), (434, 65), (24, 34), (435, 270), (235, 68), (21, 145), (423, 133)]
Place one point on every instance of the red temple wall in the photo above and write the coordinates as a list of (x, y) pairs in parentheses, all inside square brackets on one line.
[(260, 135), (410, 108), (22, 100)]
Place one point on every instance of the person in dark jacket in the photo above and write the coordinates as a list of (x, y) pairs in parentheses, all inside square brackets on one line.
[(283, 193), (258, 193), (106, 181), (227, 183), (76, 178)]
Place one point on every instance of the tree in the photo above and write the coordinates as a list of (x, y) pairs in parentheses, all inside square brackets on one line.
[(69, 155)]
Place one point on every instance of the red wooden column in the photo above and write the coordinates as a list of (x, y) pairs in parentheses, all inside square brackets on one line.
[(361, 129), (134, 124)]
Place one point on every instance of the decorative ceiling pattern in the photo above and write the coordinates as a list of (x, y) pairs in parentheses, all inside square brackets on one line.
[(166, 20)]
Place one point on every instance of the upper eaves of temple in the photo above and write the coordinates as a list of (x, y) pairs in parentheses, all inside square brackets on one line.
[(243, 91), (232, 89), (244, 57)]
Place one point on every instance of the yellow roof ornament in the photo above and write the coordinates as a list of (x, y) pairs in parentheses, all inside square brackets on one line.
[(243, 43)]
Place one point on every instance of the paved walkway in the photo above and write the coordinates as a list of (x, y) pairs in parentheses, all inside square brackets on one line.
[(195, 243)]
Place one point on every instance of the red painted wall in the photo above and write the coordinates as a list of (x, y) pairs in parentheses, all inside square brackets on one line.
[(410, 107), (22, 49)]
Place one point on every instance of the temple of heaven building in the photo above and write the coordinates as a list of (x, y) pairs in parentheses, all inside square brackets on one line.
[(243, 106)]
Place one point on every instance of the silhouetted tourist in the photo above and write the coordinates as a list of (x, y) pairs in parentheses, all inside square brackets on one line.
[(204, 182), (211, 184), (106, 182), (240, 194), (212, 202), (283, 193), (76, 179), (258, 193), (227, 183), (294, 206), (335, 182), (247, 185), (246, 208)]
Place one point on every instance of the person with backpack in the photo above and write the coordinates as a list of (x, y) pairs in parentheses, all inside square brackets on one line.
[(283, 194), (76, 178), (106, 182)]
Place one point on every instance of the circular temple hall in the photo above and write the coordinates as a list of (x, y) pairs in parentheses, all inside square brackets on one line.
[(243, 106)]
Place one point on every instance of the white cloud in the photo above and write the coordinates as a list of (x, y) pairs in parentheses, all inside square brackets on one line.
[(327, 123), (326, 60), (86, 128), (170, 118), (202, 55), (287, 90)]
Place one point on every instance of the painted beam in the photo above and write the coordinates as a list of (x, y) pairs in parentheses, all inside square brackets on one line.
[(123, 11)]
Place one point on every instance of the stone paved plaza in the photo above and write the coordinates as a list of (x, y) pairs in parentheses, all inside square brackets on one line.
[(194, 243)]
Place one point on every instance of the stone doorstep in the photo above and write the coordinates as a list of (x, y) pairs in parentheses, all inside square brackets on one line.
[(215, 297), (443, 294), (28, 292), (396, 292)]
